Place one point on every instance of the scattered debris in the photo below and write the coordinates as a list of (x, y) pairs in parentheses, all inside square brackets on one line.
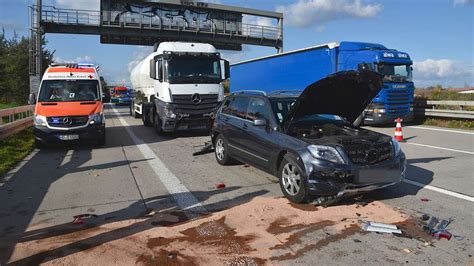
[(425, 217), (326, 201), (149, 213), (381, 228), (246, 165), (459, 238), (220, 186), (440, 231), (358, 214), (407, 250), (357, 241), (442, 234), (208, 148), (79, 219), (134, 167), (425, 199), (431, 224)]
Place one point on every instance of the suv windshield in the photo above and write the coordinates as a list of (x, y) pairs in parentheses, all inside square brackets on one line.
[(69, 91), (281, 107), (395, 73), (193, 69)]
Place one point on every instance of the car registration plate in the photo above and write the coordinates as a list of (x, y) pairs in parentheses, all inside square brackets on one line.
[(68, 137)]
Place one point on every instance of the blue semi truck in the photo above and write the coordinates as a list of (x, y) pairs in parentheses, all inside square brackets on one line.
[(295, 70)]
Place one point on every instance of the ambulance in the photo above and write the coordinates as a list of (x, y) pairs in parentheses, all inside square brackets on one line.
[(69, 106)]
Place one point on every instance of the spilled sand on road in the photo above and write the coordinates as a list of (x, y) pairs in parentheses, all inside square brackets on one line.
[(260, 231)]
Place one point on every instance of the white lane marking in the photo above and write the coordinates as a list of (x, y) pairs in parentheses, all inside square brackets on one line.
[(440, 148), (440, 190), (183, 197), (443, 130)]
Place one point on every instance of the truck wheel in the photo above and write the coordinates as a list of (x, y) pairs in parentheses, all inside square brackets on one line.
[(292, 180), (146, 118), (221, 151), (158, 125)]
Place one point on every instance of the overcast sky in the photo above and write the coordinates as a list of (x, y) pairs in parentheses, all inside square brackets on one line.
[(438, 34)]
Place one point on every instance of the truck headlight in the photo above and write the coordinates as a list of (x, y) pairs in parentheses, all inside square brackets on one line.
[(377, 110), (169, 113), (96, 118), (40, 120), (396, 147), (326, 153)]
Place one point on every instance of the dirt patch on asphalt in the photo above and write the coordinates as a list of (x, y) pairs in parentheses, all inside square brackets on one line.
[(260, 231)]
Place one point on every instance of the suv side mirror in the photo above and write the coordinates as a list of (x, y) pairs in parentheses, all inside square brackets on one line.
[(32, 99), (259, 122)]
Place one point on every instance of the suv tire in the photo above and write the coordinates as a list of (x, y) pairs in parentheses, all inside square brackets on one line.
[(292, 180), (220, 151)]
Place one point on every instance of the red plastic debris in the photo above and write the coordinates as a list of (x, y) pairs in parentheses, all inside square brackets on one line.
[(78, 220), (220, 185), (425, 199), (442, 234)]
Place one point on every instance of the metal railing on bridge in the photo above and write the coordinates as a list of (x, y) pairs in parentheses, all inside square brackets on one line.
[(13, 120), (72, 17)]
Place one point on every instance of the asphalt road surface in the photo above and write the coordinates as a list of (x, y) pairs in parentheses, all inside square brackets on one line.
[(138, 170)]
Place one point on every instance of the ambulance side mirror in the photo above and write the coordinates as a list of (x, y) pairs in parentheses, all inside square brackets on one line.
[(32, 99)]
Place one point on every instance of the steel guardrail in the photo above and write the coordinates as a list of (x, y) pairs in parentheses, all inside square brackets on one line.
[(430, 108), (13, 120)]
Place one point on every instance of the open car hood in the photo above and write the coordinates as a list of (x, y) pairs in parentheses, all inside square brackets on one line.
[(345, 94)]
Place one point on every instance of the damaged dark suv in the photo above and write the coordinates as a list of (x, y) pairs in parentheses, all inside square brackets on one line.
[(309, 140)]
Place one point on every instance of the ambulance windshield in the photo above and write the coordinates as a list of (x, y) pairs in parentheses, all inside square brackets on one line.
[(69, 91)]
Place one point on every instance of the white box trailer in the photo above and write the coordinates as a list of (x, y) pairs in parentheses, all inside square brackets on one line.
[(180, 85)]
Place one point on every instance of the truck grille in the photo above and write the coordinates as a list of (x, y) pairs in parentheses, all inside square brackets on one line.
[(67, 121), (398, 95), (183, 103), (368, 153)]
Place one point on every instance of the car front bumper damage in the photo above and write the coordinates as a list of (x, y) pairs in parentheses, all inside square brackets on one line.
[(327, 180)]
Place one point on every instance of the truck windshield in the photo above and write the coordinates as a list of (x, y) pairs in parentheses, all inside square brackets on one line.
[(395, 73), (194, 69), (69, 91), (122, 92)]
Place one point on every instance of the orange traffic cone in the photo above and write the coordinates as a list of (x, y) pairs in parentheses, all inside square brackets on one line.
[(398, 130)]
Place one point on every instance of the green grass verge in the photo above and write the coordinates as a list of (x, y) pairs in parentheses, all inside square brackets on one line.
[(464, 124), (8, 105), (14, 148)]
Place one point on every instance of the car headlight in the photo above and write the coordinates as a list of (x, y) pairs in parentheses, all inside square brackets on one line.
[(40, 120), (326, 153), (96, 118), (396, 147)]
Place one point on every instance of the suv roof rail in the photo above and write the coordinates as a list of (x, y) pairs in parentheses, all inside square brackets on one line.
[(251, 92), (287, 91)]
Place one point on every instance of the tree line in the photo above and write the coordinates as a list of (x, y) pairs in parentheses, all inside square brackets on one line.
[(14, 68)]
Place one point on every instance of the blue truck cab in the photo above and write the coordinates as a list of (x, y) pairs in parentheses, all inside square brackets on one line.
[(295, 70)]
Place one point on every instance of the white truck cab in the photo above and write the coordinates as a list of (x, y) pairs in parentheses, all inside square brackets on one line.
[(180, 84)]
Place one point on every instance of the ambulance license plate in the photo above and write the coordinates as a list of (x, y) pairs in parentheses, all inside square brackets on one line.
[(68, 137)]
